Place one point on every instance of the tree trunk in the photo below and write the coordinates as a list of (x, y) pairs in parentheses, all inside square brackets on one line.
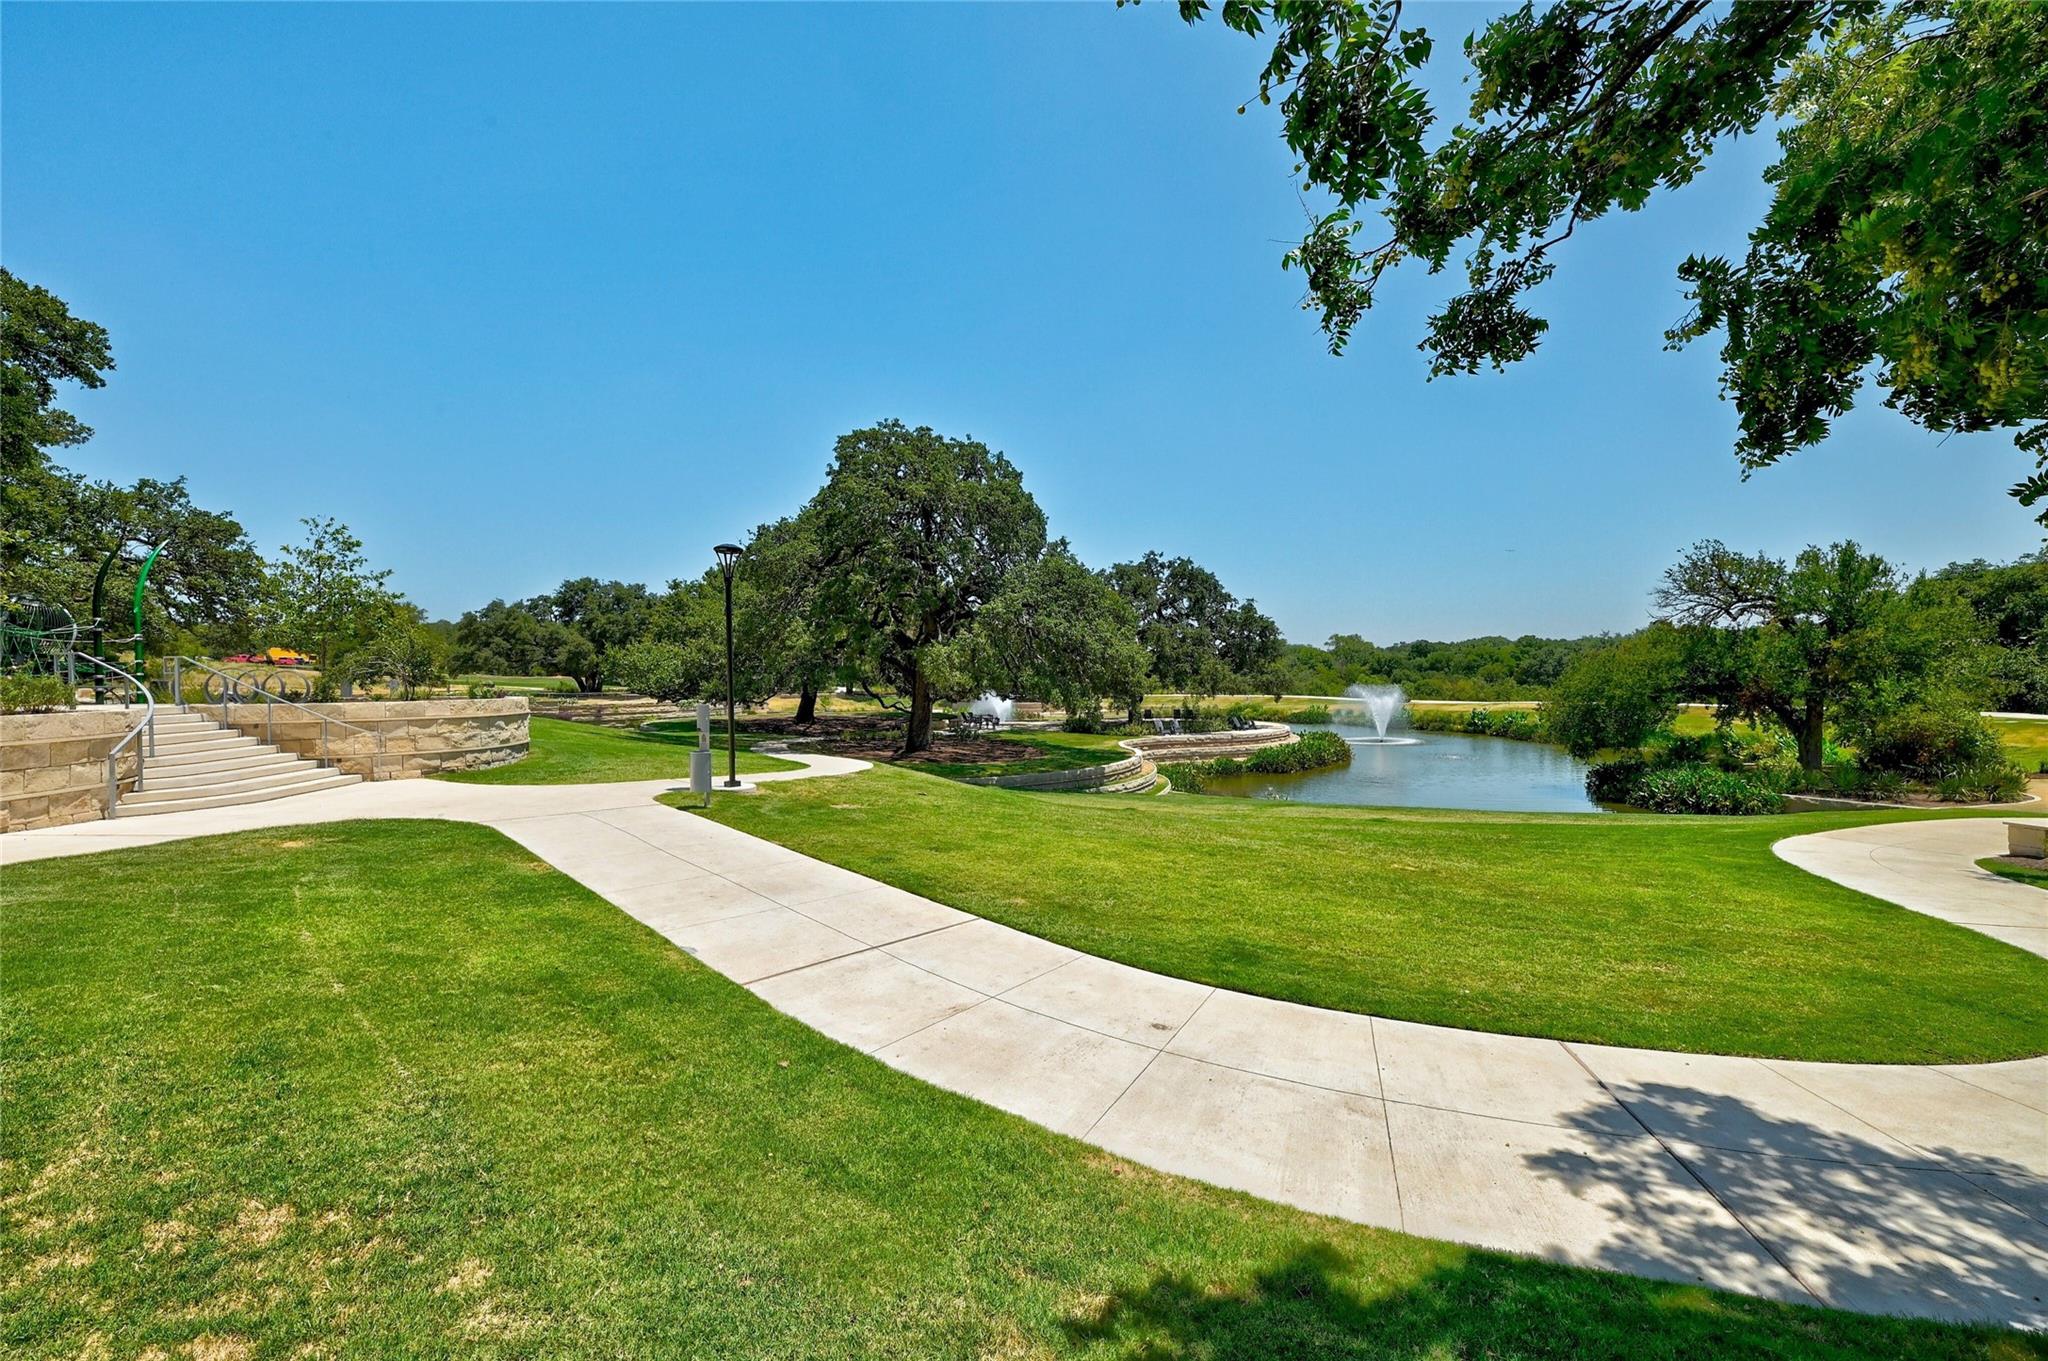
[(1812, 751), (917, 736), (807, 705)]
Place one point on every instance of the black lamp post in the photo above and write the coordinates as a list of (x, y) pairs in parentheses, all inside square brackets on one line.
[(728, 554)]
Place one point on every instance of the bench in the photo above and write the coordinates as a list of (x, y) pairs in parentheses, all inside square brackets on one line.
[(2027, 840)]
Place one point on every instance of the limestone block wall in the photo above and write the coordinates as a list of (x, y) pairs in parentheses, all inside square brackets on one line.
[(1207, 746), (418, 737), (53, 767)]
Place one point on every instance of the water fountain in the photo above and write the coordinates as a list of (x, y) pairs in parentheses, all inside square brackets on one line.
[(1381, 702), (995, 706)]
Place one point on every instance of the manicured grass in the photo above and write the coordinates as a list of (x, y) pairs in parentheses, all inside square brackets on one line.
[(284, 1112), (536, 684), (1663, 932), (2025, 874), (2025, 741), (1040, 750), (562, 752)]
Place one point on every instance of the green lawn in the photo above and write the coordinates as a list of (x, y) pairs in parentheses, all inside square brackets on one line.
[(284, 1112), (1040, 749), (2035, 875), (540, 684), (561, 752), (2025, 740), (1663, 932)]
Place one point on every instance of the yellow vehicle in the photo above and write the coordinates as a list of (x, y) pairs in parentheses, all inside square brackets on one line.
[(284, 656)]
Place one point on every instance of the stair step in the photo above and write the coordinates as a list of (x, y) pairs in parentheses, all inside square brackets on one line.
[(213, 750), (189, 757), (185, 732), (326, 779), (160, 790), (190, 777)]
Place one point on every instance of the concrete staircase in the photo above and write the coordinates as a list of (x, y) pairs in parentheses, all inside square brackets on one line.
[(1145, 780), (200, 764)]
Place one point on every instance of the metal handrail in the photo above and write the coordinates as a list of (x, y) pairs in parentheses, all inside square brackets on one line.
[(231, 691), (147, 725)]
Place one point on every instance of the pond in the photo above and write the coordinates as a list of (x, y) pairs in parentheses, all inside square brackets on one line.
[(1439, 770)]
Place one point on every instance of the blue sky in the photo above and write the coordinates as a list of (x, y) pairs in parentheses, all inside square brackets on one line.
[(527, 292)]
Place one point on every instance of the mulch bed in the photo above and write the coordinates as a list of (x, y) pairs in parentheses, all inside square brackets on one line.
[(879, 738), (965, 750)]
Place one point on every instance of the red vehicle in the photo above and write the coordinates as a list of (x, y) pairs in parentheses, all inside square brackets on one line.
[(245, 658)]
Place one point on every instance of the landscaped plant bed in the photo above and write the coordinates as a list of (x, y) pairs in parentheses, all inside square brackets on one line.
[(1808, 803)]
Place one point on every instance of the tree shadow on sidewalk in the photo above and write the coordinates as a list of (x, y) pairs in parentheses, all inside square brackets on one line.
[(1878, 1227)]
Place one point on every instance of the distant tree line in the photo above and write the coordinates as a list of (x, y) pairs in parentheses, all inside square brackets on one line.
[(1474, 668)]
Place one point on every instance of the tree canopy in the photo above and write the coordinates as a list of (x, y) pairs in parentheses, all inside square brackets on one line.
[(1059, 631), (57, 525), (325, 598), (916, 532), (777, 646), (1829, 636), (572, 630), (1196, 634), (1906, 243)]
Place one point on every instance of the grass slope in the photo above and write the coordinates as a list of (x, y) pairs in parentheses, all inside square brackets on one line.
[(2025, 741), (1662, 932), (562, 752), (283, 1112)]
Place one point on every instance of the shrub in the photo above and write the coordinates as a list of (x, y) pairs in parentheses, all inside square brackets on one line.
[(485, 690), (1706, 789), (35, 694), (1617, 695), (1315, 751), (1312, 713), (1930, 744), (1996, 781), (1615, 781), (658, 670), (1690, 787), (1087, 721), (1520, 725)]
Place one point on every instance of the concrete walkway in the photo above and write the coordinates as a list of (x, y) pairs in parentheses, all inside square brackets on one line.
[(1900, 1189), (1931, 867)]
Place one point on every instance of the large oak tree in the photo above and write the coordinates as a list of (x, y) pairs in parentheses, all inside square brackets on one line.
[(916, 532), (1826, 637)]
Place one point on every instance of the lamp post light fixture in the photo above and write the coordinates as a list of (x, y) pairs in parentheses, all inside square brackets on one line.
[(728, 555)]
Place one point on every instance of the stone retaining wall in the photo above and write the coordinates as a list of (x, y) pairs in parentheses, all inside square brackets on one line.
[(53, 767), (419, 736), (1207, 746)]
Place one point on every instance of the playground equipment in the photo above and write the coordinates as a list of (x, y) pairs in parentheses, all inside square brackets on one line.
[(100, 640), (38, 639)]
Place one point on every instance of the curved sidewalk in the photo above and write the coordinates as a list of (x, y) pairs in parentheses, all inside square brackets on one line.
[(1888, 1189), (1931, 868)]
